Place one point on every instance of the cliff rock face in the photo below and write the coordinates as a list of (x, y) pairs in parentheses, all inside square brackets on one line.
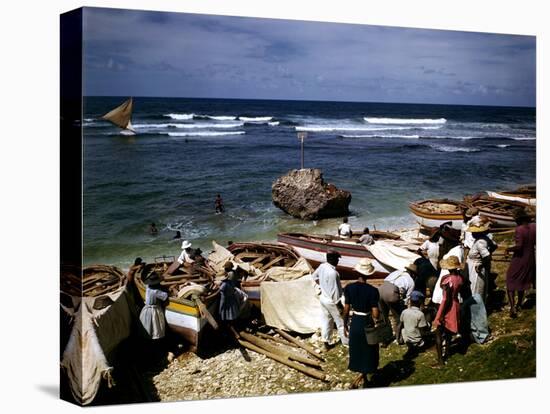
[(304, 194)]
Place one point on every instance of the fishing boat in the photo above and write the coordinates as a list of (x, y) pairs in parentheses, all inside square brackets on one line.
[(525, 194), (499, 211), (121, 116), (193, 296), (260, 258), (435, 212), (314, 248), (98, 316)]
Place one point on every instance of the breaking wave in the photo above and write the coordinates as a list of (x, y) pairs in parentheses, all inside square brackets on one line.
[(371, 120), (204, 134), (381, 136), (255, 119), (190, 126), (180, 116), (445, 148)]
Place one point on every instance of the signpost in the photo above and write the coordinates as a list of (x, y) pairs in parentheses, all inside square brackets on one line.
[(301, 137)]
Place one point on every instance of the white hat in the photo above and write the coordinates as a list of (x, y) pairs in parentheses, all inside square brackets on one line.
[(365, 267), (185, 244)]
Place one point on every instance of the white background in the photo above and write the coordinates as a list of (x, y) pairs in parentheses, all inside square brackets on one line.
[(29, 238)]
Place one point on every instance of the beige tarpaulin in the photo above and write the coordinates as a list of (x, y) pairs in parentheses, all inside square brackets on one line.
[(95, 334), (280, 273), (218, 257), (291, 305), (392, 256)]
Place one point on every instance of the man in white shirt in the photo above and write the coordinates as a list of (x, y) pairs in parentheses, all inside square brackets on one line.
[(185, 256), (344, 230), (395, 294), (331, 292)]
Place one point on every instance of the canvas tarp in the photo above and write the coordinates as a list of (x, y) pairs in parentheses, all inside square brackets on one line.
[(280, 273), (392, 256), (94, 336), (291, 305)]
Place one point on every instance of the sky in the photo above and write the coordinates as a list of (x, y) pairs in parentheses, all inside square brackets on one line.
[(143, 53)]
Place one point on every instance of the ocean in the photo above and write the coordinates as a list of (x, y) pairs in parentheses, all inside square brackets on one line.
[(187, 151)]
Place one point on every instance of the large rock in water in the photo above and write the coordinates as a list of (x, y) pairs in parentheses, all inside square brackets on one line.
[(304, 194)]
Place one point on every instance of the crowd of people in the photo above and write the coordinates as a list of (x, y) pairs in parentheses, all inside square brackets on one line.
[(441, 298)]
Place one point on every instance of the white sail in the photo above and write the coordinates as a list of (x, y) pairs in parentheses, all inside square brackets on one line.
[(121, 116)]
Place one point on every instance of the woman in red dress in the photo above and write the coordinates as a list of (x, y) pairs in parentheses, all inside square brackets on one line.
[(522, 270), (447, 320)]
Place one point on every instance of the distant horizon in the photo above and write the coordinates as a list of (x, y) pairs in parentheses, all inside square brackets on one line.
[(306, 100)]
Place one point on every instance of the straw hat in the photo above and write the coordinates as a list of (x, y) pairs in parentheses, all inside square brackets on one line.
[(411, 267), (471, 212), (451, 262), (185, 244), (473, 228), (365, 267)]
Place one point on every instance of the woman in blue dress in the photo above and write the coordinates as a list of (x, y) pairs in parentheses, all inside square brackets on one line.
[(362, 305)]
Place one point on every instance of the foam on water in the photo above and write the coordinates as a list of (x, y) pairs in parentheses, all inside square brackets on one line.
[(204, 134), (256, 119), (382, 136), (372, 120), (446, 148), (217, 117), (180, 116)]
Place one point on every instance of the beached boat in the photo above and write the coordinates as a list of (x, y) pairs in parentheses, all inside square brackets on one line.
[(99, 311), (261, 257), (500, 212), (434, 212), (121, 116), (525, 194), (314, 248), (193, 296)]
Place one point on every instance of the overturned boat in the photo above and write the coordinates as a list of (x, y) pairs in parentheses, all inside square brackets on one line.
[(526, 194), (193, 296), (386, 254)]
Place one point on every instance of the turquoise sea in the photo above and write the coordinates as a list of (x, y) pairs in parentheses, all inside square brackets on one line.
[(188, 150)]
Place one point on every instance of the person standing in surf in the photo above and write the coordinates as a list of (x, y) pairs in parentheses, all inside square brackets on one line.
[(218, 204)]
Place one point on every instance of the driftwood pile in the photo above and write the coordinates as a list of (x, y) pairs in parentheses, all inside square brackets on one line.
[(284, 350)]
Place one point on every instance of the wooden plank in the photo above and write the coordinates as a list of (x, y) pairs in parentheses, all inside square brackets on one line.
[(300, 344), (204, 312), (276, 339), (272, 262), (306, 370), (262, 343)]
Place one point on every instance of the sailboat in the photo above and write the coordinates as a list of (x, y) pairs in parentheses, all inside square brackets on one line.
[(121, 116)]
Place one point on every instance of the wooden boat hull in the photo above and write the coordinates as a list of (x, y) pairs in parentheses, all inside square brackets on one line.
[(498, 210), (427, 218), (511, 196), (314, 250), (183, 316)]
